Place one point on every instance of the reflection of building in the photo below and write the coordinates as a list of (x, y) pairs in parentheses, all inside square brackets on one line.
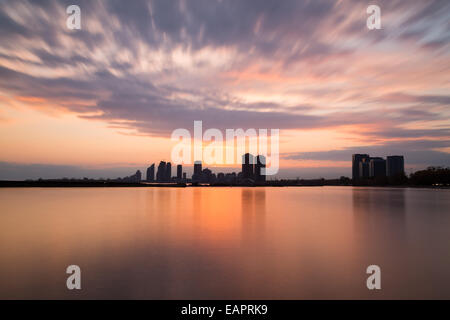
[(151, 173), (395, 166), (168, 175), (179, 172), (377, 167), (259, 165), (253, 215), (382, 210), (161, 173), (356, 160), (247, 166)]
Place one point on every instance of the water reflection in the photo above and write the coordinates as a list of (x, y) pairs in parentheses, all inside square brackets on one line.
[(253, 203), (224, 243), (380, 214)]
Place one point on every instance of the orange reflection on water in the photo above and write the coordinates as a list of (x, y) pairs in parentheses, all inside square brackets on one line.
[(255, 243)]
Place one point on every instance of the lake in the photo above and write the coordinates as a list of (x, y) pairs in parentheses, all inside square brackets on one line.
[(225, 242)]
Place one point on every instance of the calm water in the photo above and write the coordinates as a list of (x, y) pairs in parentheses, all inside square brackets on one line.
[(210, 243)]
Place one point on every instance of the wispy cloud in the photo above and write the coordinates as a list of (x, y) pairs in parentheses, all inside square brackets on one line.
[(153, 66), (419, 152)]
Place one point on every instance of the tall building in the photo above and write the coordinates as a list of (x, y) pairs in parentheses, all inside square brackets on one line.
[(179, 172), (377, 167), (395, 166), (198, 167), (247, 166), (168, 172), (161, 173), (135, 178), (259, 165), (138, 176), (356, 159), (151, 173), (364, 168), (197, 171)]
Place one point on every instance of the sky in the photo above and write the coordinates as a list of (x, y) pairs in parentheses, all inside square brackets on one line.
[(103, 101)]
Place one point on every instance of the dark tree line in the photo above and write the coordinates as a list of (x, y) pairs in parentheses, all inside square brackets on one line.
[(431, 176)]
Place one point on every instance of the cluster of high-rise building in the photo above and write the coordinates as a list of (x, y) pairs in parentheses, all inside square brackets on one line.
[(135, 178), (164, 173), (366, 167), (252, 170), (252, 167), (363, 167)]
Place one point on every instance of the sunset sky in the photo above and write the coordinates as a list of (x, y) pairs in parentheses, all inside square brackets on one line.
[(104, 100)]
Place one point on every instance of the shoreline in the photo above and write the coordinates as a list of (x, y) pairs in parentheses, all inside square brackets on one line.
[(110, 184)]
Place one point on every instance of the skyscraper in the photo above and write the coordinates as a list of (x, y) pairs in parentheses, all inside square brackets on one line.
[(179, 172), (377, 167), (356, 159), (168, 172), (138, 176), (151, 173), (259, 165), (135, 178), (395, 166), (197, 171), (198, 167), (161, 173), (364, 168), (247, 166)]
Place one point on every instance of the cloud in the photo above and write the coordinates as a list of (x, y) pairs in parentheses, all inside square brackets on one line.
[(416, 152), (153, 66), (158, 110), (18, 171), (399, 97)]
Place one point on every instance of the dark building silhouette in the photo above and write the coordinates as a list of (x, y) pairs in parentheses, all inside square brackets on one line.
[(179, 172), (151, 173), (198, 167), (168, 172), (207, 176), (184, 176), (196, 177), (259, 165), (138, 176), (248, 166), (230, 177), (377, 167), (395, 166), (356, 159), (135, 178), (161, 173), (364, 168)]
